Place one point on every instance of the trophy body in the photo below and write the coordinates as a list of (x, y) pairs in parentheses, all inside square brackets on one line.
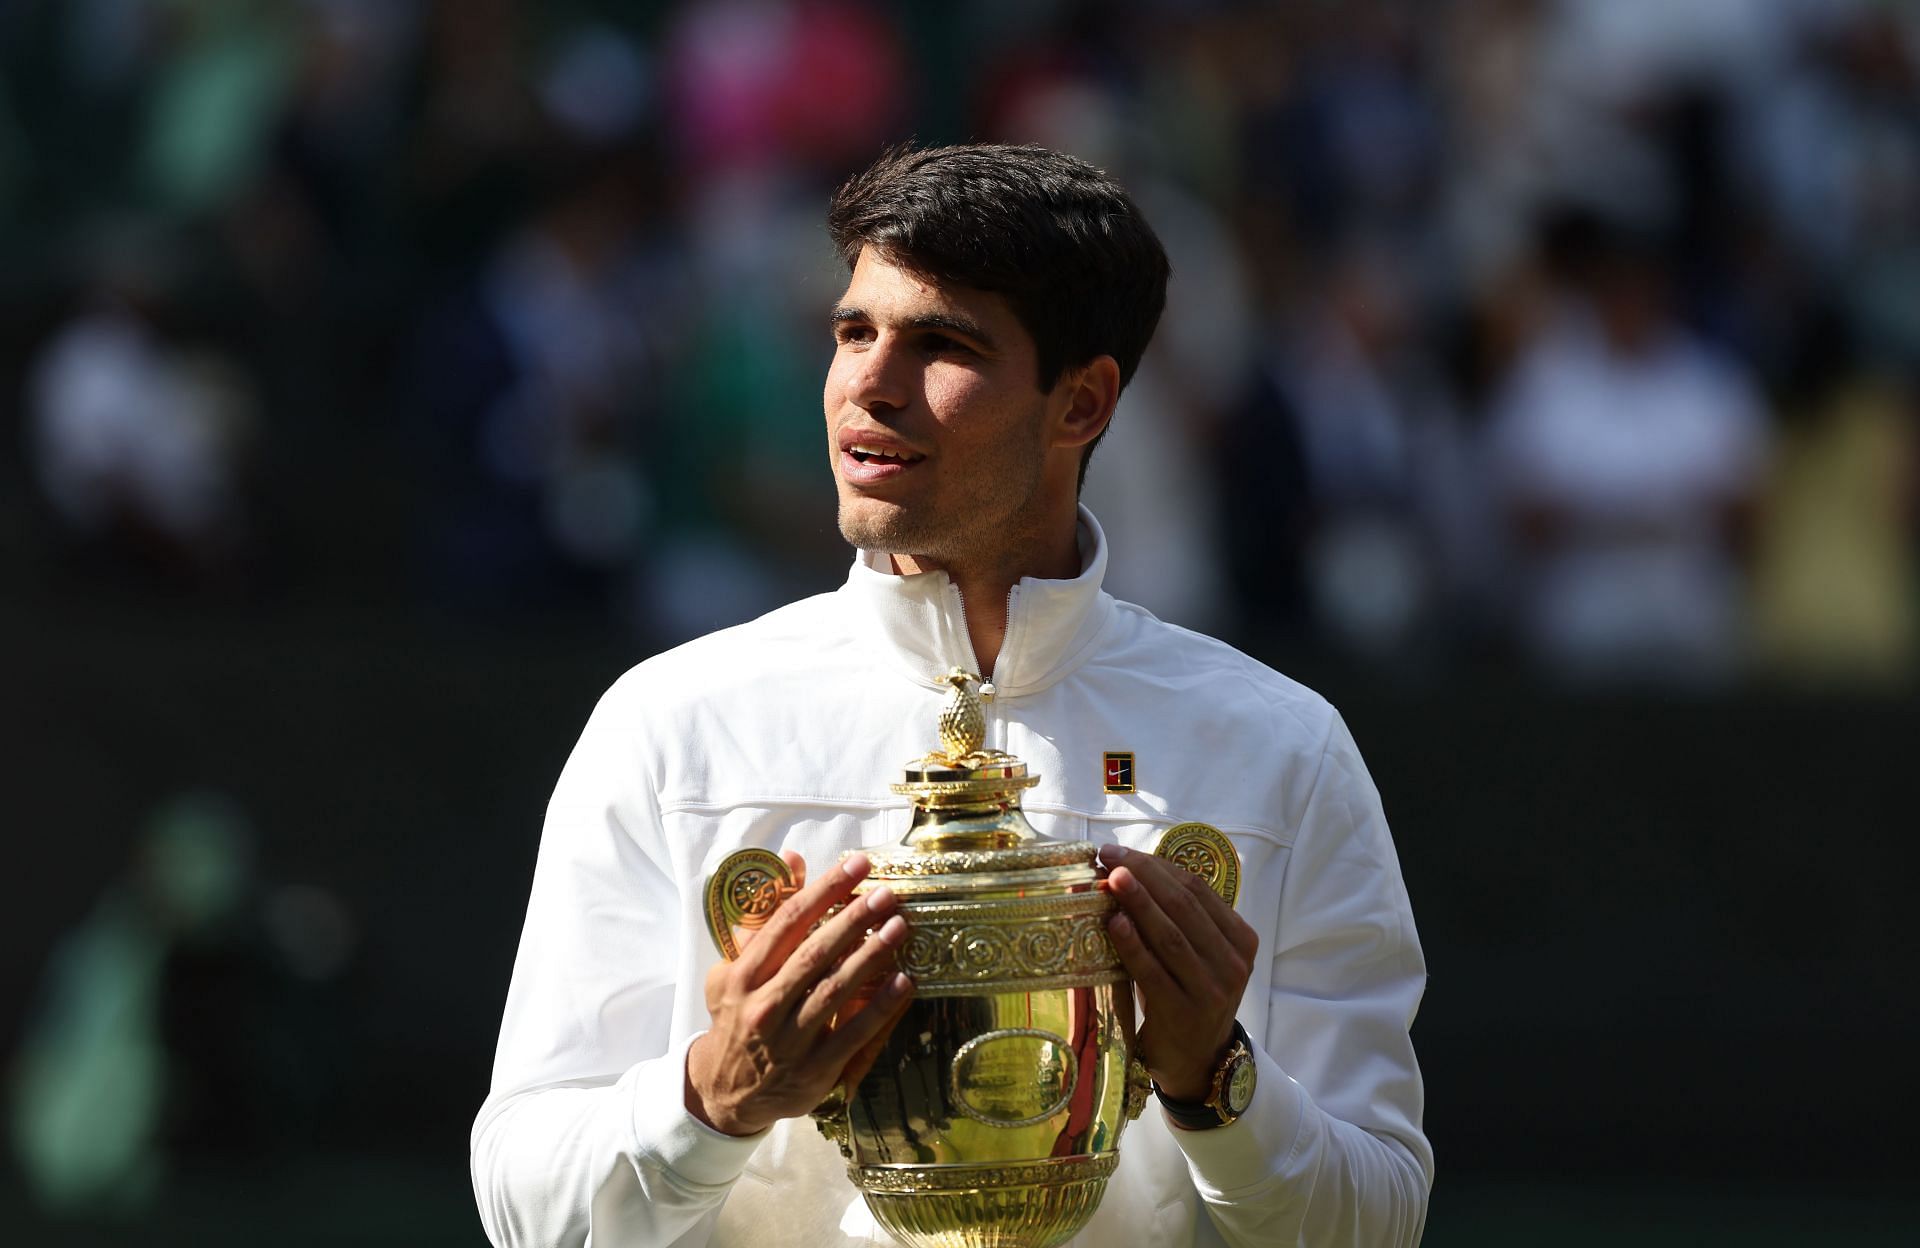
[(992, 1117)]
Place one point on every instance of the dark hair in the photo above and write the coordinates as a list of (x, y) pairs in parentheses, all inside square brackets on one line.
[(1057, 238)]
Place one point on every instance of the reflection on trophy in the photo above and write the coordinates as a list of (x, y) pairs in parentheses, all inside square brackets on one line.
[(992, 1118)]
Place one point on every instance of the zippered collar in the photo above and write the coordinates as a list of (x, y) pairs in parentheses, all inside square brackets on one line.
[(1051, 625)]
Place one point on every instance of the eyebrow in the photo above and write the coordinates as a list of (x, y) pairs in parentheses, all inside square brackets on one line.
[(942, 321)]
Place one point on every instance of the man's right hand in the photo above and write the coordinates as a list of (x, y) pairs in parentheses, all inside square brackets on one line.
[(800, 1008)]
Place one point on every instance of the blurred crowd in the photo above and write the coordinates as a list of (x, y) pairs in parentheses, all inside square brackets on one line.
[(192, 1013), (1578, 334)]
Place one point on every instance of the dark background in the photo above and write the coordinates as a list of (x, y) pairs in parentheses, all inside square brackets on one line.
[(314, 597)]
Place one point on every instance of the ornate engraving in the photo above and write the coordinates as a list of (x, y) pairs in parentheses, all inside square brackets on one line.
[(969, 861), (985, 1077), (999, 987), (1011, 911), (1038, 1214), (1092, 945), (754, 894), (744, 892), (907, 1180), (945, 793), (1042, 940), (1204, 850), (1002, 942)]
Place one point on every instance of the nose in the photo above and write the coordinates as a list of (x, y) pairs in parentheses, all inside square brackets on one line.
[(876, 376)]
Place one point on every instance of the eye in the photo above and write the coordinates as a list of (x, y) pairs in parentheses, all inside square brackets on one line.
[(852, 332), (940, 344)]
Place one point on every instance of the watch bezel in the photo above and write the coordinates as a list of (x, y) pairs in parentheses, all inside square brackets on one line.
[(1236, 1088)]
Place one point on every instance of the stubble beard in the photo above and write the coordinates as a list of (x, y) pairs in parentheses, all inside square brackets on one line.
[(996, 521), (897, 531)]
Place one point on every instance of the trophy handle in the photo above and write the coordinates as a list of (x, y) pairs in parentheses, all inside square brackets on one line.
[(1204, 850), (830, 1116), (1139, 1088), (743, 892)]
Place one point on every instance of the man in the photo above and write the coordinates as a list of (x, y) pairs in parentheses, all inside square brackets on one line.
[(646, 1093)]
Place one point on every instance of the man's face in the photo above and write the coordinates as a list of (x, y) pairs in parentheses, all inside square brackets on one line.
[(936, 424)]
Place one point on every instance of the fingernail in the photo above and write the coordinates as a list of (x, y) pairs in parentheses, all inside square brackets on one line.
[(1121, 925), (893, 931), (898, 984), (856, 865), (1125, 882), (880, 898), (1111, 854)]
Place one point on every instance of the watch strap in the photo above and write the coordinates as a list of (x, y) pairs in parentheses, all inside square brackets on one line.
[(1210, 1113)]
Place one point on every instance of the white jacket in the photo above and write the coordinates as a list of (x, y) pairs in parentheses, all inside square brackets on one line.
[(785, 733)]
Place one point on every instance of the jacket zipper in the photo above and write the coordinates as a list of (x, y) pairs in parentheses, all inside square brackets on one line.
[(986, 682)]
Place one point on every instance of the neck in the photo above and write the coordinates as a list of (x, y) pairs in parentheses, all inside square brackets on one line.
[(986, 583)]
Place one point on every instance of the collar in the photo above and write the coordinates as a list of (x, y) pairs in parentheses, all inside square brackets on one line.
[(1051, 625)]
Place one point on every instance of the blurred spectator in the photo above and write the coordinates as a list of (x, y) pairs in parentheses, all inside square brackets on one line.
[(1383, 456), (757, 83), (531, 382), (1628, 454), (166, 1026), (221, 74), (1837, 590), (91, 1081), (1837, 149), (142, 443)]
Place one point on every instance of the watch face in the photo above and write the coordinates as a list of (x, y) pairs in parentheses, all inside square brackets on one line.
[(1240, 1086)]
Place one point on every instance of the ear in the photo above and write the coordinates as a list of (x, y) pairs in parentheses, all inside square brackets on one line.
[(1085, 398)]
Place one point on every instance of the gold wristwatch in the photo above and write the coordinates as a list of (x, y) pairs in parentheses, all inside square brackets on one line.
[(1230, 1095)]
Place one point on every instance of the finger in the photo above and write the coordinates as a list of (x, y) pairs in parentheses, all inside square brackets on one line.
[(1184, 941), (1232, 925), (870, 1027), (1147, 972), (797, 865), (859, 970), (1199, 912), (818, 955), (795, 918), (869, 1053)]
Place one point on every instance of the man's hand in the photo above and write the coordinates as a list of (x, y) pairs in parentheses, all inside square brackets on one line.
[(800, 1009), (1190, 957)]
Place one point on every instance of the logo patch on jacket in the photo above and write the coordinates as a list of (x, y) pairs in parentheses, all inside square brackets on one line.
[(1119, 771)]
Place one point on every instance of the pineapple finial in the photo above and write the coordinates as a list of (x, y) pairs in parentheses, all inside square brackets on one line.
[(963, 721)]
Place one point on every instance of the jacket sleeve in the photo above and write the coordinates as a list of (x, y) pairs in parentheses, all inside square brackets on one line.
[(584, 1136), (1331, 1150)]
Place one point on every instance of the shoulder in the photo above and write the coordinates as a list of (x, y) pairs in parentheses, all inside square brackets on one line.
[(787, 647), (1237, 693)]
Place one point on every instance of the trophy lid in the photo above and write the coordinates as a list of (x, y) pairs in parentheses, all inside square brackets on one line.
[(966, 807)]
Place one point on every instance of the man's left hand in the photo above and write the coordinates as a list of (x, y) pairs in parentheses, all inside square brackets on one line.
[(1190, 957)]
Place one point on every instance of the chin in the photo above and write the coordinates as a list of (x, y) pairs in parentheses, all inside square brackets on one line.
[(886, 529)]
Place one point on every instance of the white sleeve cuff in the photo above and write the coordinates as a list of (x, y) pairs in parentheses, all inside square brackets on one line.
[(1253, 1148), (664, 1129)]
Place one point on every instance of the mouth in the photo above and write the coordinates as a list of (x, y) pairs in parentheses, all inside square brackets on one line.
[(872, 461), (869, 453)]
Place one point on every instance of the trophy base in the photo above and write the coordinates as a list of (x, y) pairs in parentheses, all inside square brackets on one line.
[(1034, 1204)]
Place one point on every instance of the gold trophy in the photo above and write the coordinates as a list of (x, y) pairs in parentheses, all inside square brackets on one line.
[(992, 1118)]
